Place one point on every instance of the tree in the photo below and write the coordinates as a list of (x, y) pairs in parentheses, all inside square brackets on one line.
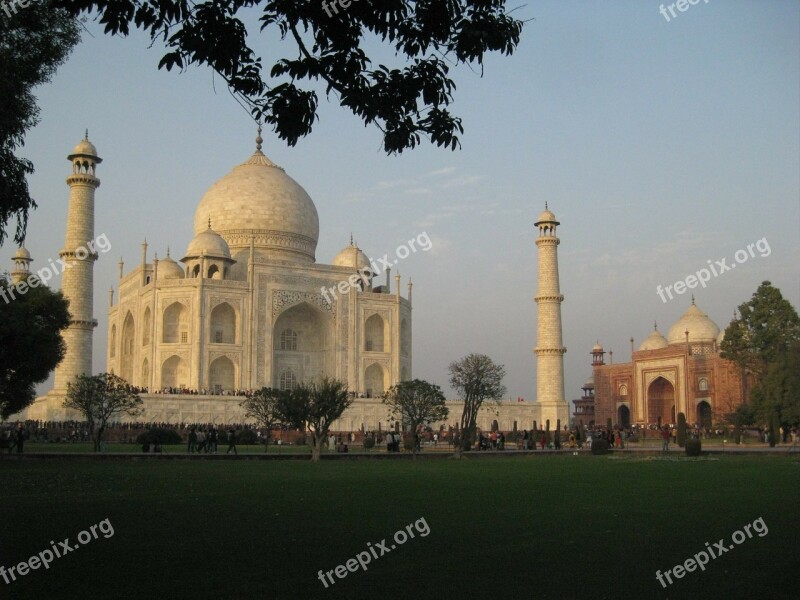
[(99, 398), (262, 407), (31, 321), (415, 403), (325, 49), (767, 327), (34, 41), (476, 379), (680, 437), (313, 408), (779, 391)]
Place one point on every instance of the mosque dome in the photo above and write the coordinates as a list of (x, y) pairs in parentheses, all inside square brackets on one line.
[(589, 383), (169, 269), (597, 347), (351, 256), (257, 201), (22, 253), (654, 341), (209, 243), (696, 322)]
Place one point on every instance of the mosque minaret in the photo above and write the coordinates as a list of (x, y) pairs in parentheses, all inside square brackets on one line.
[(78, 256), (549, 347)]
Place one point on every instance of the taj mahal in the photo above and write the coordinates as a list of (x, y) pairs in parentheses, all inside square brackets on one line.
[(248, 306)]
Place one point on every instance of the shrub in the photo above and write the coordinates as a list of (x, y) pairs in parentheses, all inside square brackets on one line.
[(681, 436), (160, 436), (243, 436), (369, 442), (600, 446), (693, 447)]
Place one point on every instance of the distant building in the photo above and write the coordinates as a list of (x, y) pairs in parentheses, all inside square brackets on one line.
[(683, 372)]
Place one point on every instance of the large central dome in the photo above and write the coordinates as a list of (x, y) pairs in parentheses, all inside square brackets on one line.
[(258, 201)]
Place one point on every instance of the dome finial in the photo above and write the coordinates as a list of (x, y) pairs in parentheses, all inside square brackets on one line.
[(259, 139), (86, 135), (655, 325), (351, 238), (209, 222), (693, 300), (545, 205), (167, 251)]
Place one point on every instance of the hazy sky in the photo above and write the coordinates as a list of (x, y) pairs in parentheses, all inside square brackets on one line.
[(659, 145)]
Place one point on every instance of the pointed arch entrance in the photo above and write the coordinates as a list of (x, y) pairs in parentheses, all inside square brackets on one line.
[(661, 401)]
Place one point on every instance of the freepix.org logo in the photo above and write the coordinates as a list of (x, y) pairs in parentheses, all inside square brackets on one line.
[(46, 273)]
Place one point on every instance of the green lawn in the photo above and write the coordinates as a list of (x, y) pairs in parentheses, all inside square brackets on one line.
[(555, 527)]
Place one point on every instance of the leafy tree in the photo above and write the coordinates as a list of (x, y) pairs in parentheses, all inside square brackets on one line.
[(325, 45), (476, 379), (415, 403), (779, 391), (31, 321), (34, 41), (100, 398), (262, 407), (767, 327), (313, 408)]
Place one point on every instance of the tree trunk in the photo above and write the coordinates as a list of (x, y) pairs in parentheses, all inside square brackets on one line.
[(316, 447)]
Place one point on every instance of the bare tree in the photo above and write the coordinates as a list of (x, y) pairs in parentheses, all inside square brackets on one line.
[(262, 406), (99, 398), (476, 379), (314, 407), (414, 403)]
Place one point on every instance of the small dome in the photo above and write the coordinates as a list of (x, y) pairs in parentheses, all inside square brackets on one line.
[(597, 347), (22, 253), (85, 147), (696, 322), (546, 217), (654, 341), (589, 382), (351, 256), (208, 243), (169, 269)]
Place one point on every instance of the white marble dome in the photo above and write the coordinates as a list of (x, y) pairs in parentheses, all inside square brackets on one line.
[(258, 201), (22, 253), (169, 269), (654, 341), (696, 322), (351, 256), (208, 243)]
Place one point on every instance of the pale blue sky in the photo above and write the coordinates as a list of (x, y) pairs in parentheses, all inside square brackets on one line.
[(658, 145)]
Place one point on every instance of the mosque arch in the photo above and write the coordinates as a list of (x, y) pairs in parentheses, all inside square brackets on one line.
[(128, 338), (375, 380), (174, 373), (624, 416), (222, 375), (176, 324), (214, 272), (147, 326), (223, 324), (661, 401), (374, 338), (702, 384), (704, 414), (302, 341)]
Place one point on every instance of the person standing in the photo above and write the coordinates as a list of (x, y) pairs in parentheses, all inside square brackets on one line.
[(232, 441), (21, 437), (665, 438), (192, 440)]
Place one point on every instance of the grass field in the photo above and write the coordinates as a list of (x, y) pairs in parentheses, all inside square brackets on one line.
[(524, 527)]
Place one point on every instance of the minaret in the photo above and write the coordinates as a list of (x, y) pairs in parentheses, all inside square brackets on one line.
[(78, 254), (22, 261), (549, 348)]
